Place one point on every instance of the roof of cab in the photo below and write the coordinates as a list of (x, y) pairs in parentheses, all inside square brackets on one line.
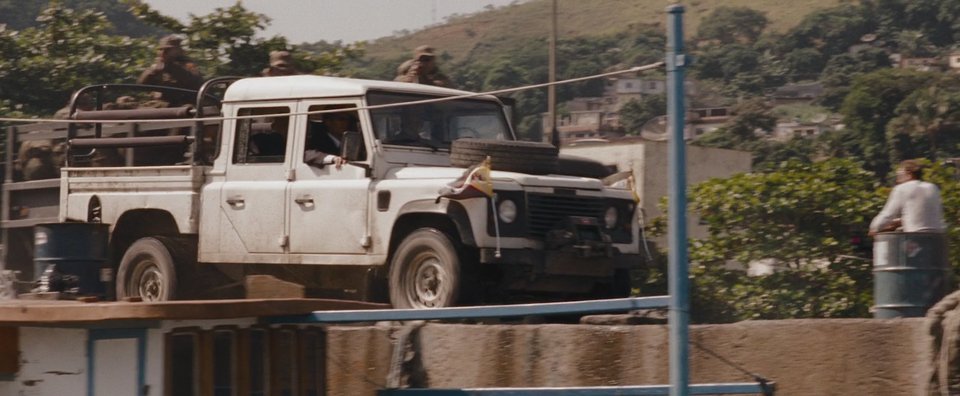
[(310, 86)]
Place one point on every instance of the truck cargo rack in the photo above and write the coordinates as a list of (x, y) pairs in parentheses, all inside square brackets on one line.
[(26, 203)]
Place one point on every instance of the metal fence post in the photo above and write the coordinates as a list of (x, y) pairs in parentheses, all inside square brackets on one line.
[(679, 284)]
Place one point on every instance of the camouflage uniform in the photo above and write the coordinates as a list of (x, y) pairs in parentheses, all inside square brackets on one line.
[(36, 161), (173, 69), (281, 64), (422, 69)]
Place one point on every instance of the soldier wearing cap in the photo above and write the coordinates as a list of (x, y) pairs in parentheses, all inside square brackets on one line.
[(173, 69), (422, 69), (281, 64)]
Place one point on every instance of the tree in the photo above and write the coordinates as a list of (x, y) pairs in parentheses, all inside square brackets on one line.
[(796, 214), (635, 113), (946, 175), (927, 122), (804, 64), (224, 42), (831, 31), (503, 74), (800, 215), (741, 131), (842, 69), (752, 116), (67, 50), (732, 25), (804, 216), (871, 104), (914, 44), (938, 20), (727, 62), (770, 154), (21, 14)]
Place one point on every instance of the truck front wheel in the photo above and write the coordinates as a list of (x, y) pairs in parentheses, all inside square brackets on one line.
[(425, 271), (148, 271)]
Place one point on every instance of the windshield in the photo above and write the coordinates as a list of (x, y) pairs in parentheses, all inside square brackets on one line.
[(436, 124)]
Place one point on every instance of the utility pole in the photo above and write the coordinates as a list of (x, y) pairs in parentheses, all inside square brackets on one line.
[(678, 272), (552, 90)]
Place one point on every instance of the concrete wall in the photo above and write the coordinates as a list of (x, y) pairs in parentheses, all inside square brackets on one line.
[(648, 160), (804, 357)]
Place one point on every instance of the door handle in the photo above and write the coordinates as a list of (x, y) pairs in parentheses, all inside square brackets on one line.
[(236, 201), (304, 200)]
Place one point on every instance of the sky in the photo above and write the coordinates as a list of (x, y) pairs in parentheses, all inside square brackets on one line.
[(330, 20)]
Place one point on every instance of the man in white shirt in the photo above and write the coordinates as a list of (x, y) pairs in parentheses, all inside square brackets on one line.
[(913, 204)]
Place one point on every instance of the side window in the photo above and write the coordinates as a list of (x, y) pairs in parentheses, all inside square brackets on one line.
[(325, 130), (261, 139)]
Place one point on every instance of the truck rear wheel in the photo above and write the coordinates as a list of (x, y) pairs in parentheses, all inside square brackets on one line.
[(148, 270), (425, 271)]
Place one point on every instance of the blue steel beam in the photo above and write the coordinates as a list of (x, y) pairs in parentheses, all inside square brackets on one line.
[(640, 390), (489, 311)]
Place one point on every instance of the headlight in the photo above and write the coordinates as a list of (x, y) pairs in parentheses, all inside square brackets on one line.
[(507, 211), (610, 218)]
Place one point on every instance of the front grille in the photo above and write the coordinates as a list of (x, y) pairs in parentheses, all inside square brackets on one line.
[(547, 211)]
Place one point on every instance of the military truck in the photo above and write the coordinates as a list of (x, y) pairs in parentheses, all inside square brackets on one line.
[(438, 203)]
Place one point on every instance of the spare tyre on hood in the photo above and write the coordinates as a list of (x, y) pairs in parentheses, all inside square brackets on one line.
[(505, 155)]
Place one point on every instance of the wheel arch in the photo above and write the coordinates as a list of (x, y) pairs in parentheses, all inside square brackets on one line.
[(136, 224), (448, 216)]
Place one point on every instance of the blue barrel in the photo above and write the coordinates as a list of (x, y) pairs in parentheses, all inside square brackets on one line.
[(911, 273), (77, 253)]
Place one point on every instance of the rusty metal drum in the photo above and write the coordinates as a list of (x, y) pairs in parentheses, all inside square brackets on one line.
[(911, 273)]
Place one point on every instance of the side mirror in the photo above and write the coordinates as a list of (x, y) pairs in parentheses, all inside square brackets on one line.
[(352, 147)]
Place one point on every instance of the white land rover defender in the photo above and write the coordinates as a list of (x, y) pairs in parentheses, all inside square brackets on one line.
[(246, 198)]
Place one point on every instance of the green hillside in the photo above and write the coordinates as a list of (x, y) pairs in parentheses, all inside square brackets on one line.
[(493, 31)]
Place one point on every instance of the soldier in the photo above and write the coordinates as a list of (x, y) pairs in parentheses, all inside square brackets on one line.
[(281, 64), (173, 69), (422, 69), (36, 160)]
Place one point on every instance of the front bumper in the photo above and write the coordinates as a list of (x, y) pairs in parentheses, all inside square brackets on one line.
[(561, 271), (567, 261)]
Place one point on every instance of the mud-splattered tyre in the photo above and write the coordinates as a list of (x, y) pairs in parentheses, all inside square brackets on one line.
[(148, 270), (425, 271)]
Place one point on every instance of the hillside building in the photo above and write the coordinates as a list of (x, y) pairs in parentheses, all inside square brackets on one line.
[(599, 117)]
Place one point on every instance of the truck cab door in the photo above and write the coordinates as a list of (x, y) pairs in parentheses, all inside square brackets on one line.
[(328, 206), (254, 195)]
